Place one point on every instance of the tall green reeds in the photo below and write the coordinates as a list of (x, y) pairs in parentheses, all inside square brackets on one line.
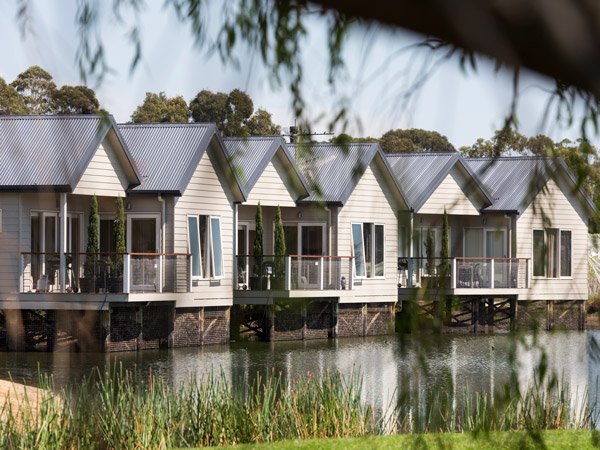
[(120, 410)]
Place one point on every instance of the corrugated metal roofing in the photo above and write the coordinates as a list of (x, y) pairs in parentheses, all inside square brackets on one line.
[(420, 173), (333, 170), (513, 181), (166, 154), (48, 151), (250, 155)]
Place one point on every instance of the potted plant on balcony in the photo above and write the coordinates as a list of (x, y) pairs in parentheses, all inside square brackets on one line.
[(278, 281), (87, 283), (257, 251), (115, 282)]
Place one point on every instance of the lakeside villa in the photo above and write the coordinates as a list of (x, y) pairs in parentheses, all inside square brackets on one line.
[(356, 224)]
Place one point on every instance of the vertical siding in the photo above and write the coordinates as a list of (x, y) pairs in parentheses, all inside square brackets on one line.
[(10, 258), (564, 211), (207, 194), (371, 201), (104, 175), (451, 196), (271, 188)]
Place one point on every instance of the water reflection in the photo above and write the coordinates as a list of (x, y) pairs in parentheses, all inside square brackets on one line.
[(388, 365)]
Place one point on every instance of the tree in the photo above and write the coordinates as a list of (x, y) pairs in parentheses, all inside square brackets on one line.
[(158, 108), (280, 250), (415, 140), (344, 138), (430, 252), (11, 101), (231, 112), (257, 248), (261, 124), (119, 237), (210, 107), (74, 100), (37, 88), (92, 248)]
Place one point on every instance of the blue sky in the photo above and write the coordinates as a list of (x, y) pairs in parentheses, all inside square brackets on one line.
[(381, 68)]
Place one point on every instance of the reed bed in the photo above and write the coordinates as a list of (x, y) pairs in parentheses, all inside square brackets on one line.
[(121, 410)]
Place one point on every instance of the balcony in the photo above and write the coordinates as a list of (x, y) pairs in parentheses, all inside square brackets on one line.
[(465, 275), (105, 273), (293, 275)]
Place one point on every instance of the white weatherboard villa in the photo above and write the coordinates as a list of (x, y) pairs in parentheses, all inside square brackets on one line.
[(355, 224)]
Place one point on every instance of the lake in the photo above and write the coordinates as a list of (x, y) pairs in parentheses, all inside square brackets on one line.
[(388, 364)]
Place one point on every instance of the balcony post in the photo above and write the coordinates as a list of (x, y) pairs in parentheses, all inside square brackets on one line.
[(492, 274), (160, 273), (321, 273), (527, 277), (63, 242), (190, 272), (126, 273), (409, 281), (288, 275), (453, 274)]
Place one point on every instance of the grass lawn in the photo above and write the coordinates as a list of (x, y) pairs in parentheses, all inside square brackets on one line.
[(498, 440)]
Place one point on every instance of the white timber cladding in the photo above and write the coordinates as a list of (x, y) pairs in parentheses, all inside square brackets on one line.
[(564, 211), (450, 195), (9, 244), (104, 175), (273, 187), (371, 202), (207, 194)]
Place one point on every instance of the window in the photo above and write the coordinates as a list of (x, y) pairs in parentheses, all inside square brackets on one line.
[(373, 247), (359, 250), (551, 253), (217, 248), (204, 243), (107, 227), (565, 253)]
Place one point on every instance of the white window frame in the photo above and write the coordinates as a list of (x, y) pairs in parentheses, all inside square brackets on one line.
[(211, 249), (374, 277), (356, 276), (546, 277), (142, 215), (189, 244)]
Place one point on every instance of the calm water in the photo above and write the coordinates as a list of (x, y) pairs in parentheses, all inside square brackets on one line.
[(387, 364)]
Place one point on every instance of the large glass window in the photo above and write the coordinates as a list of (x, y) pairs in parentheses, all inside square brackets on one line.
[(551, 253), (373, 240), (379, 250), (205, 245), (217, 248), (359, 250), (565, 253)]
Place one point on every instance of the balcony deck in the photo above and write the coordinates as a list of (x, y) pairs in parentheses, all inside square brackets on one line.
[(262, 279), (464, 277)]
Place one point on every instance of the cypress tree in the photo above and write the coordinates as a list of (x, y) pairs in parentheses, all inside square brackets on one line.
[(119, 236), (279, 245), (430, 252), (445, 250), (92, 242), (257, 249)]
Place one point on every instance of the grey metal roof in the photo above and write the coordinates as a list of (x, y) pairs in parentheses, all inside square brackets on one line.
[(333, 170), (250, 155), (515, 181), (50, 152), (166, 154), (419, 174)]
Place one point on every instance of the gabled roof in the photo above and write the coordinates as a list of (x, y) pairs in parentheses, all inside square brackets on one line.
[(250, 155), (335, 169), (168, 153), (51, 153), (420, 174), (515, 181)]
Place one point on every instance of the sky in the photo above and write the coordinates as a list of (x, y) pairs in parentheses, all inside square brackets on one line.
[(382, 68)]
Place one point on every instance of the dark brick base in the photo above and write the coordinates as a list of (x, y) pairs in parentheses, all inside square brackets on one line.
[(216, 325), (288, 322), (319, 320), (187, 327), (359, 319), (350, 319)]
